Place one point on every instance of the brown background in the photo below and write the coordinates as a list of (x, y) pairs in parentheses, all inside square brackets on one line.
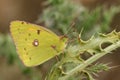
[(29, 10)]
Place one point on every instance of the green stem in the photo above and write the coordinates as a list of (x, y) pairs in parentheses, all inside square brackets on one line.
[(91, 60)]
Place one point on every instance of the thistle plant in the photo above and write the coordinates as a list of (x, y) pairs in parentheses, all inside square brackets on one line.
[(79, 55), (75, 67)]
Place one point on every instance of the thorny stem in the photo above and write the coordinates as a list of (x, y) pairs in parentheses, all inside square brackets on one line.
[(91, 60)]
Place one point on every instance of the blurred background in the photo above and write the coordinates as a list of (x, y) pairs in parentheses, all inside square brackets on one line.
[(94, 15)]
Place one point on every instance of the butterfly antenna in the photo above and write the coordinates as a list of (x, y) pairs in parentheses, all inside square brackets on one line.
[(57, 58)]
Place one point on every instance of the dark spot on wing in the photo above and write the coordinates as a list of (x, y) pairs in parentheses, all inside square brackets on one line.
[(25, 39), (19, 32), (25, 49), (53, 46), (29, 34), (29, 58), (22, 22), (18, 29), (38, 32), (35, 43)]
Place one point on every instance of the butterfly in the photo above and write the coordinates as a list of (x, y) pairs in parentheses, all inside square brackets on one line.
[(35, 44)]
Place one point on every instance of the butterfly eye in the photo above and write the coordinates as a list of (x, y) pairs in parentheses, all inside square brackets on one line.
[(35, 42)]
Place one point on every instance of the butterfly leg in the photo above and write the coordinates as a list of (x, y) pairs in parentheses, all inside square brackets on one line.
[(56, 56)]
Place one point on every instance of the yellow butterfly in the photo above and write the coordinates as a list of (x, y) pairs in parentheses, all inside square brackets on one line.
[(35, 44)]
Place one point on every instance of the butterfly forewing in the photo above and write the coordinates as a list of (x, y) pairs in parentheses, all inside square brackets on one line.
[(34, 43)]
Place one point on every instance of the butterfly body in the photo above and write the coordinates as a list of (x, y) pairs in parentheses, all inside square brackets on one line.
[(35, 44)]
